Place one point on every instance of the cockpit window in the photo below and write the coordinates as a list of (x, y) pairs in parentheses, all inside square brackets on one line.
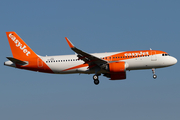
[(165, 54)]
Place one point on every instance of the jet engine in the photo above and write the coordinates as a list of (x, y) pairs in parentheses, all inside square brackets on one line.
[(117, 70)]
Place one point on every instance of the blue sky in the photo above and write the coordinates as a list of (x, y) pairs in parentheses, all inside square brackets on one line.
[(93, 26)]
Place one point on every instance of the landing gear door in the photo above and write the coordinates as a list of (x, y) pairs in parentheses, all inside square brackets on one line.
[(153, 56)]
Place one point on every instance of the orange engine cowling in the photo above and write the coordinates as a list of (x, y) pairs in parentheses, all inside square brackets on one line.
[(116, 67), (117, 70)]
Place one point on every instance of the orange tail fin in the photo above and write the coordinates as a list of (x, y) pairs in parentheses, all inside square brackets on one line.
[(19, 48)]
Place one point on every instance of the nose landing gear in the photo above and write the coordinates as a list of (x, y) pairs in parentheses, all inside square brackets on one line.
[(96, 80), (154, 75)]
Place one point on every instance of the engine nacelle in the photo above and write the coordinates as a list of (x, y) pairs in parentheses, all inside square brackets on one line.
[(116, 67), (117, 70)]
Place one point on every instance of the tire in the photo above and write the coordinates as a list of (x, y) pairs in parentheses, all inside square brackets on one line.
[(96, 82), (154, 76), (95, 77)]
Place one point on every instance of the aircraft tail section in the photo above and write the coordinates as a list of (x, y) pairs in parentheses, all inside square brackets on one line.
[(23, 56), (16, 61), (19, 48)]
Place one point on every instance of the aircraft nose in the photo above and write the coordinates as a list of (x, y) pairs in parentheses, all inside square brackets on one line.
[(173, 60)]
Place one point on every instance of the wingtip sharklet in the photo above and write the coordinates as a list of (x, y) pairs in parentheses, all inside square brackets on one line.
[(69, 43)]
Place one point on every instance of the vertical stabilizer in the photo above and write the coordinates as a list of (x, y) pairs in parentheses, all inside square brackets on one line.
[(19, 48), (23, 56)]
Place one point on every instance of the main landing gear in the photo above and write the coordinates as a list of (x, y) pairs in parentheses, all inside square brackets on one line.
[(96, 80), (154, 75)]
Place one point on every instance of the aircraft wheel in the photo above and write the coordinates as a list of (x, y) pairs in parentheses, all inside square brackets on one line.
[(96, 82), (154, 76), (95, 77)]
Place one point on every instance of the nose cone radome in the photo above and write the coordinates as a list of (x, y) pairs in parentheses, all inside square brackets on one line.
[(173, 60)]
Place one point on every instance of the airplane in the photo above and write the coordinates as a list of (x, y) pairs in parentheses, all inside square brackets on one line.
[(112, 65)]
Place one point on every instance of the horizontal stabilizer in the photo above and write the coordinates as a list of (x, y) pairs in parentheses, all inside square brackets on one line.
[(16, 61)]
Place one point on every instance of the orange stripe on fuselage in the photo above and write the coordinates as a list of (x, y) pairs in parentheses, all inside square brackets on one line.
[(123, 56), (132, 54), (34, 65), (76, 67)]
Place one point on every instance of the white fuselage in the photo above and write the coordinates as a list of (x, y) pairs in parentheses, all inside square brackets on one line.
[(62, 64), (112, 65)]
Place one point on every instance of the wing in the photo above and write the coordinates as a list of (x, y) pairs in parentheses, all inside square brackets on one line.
[(86, 57)]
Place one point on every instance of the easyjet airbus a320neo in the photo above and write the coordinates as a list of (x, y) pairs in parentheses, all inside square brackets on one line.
[(112, 64)]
